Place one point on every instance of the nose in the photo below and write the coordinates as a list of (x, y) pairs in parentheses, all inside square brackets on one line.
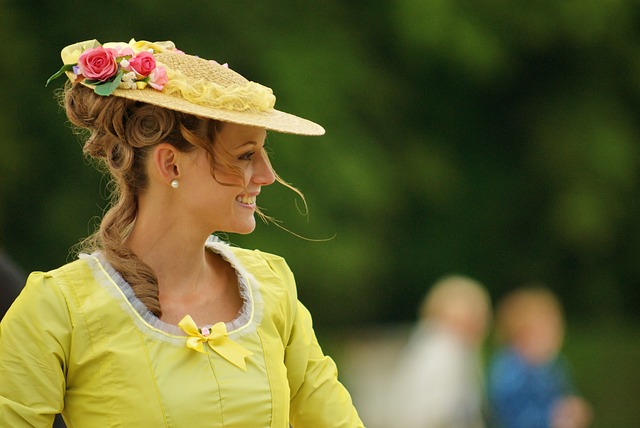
[(263, 173)]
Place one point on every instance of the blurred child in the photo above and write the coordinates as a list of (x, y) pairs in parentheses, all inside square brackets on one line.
[(530, 385), (438, 380)]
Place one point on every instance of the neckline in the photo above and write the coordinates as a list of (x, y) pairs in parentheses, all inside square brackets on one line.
[(243, 323)]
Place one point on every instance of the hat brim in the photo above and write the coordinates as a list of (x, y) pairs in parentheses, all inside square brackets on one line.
[(274, 120)]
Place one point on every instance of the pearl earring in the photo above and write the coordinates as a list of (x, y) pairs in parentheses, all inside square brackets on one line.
[(175, 183)]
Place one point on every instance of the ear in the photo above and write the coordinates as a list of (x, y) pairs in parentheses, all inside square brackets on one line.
[(164, 162)]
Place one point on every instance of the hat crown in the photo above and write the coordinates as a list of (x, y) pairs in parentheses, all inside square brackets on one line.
[(197, 68)]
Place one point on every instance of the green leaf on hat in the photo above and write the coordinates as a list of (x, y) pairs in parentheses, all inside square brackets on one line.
[(64, 69), (105, 89)]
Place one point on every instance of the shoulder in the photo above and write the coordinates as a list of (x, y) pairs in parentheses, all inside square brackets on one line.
[(49, 295), (64, 277), (257, 255), (270, 276), (434, 351), (255, 261), (63, 286), (506, 355), (506, 361), (60, 277), (276, 264), (269, 270)]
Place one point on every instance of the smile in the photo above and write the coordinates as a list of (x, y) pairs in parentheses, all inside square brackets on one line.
[(246, 199)]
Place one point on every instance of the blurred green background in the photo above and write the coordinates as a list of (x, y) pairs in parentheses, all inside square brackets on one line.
[(493, 138)]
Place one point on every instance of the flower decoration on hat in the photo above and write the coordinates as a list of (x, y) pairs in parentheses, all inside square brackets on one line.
[(115, 65), (217, 339)]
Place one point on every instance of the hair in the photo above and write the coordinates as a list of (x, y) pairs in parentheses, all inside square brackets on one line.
[(121, 135), (455, 291)]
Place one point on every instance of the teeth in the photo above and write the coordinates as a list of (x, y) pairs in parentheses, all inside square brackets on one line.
[(246, 199)]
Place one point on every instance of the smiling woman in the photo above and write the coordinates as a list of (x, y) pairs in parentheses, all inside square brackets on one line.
[(158, 323)]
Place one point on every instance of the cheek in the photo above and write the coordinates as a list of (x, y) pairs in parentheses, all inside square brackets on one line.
[(219, 173), (231, 176)]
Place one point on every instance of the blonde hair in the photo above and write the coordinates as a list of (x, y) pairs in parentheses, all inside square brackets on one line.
[(453, 292), (121, 134)]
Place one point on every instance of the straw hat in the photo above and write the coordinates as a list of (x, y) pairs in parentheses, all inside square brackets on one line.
[(159, 74)]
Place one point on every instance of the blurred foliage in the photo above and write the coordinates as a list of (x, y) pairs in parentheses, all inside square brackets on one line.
[(493, 138), (604, 359)]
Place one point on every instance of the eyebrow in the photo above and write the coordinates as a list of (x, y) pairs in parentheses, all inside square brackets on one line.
[(246, 145)]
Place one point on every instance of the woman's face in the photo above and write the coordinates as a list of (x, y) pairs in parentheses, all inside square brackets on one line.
[(227, 203)]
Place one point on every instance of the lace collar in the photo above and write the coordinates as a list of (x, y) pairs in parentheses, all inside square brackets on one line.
[(248, 317)]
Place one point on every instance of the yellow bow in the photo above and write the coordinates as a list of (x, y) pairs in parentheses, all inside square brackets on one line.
[(217, 340)]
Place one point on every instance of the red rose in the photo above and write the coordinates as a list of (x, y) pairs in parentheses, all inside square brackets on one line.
[(98, 64), (143, 63)]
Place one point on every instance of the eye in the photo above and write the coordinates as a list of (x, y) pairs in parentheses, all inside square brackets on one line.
[(247, 156)]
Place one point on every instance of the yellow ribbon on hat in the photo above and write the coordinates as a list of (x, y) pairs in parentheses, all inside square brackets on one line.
[(158, 47), (71, 53), (217, 340)]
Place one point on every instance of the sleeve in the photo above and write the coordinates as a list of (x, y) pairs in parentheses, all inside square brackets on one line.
[(318, 399), (34, 344)]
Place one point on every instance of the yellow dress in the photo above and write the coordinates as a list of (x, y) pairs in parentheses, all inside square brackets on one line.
[(78, 342)]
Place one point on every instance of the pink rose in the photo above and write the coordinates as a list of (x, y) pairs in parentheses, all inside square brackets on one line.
[(98, 64), (205, 331), (123, 51), (158, 78), (143, 63)]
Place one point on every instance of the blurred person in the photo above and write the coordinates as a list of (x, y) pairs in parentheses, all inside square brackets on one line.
[(158, 323), (11, 282), (438, 378), (530, 383)]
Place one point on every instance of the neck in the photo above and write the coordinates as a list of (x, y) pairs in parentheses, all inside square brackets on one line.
[(171, 248)]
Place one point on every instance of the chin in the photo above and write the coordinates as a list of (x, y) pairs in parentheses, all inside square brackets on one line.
[(245, 229)]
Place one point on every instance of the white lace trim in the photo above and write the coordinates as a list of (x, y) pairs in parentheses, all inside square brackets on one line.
[(246, 322)]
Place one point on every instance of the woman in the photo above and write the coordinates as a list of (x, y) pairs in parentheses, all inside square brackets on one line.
[(158, 323)]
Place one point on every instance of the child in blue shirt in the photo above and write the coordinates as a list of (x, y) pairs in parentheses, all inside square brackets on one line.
[(530, 384)]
